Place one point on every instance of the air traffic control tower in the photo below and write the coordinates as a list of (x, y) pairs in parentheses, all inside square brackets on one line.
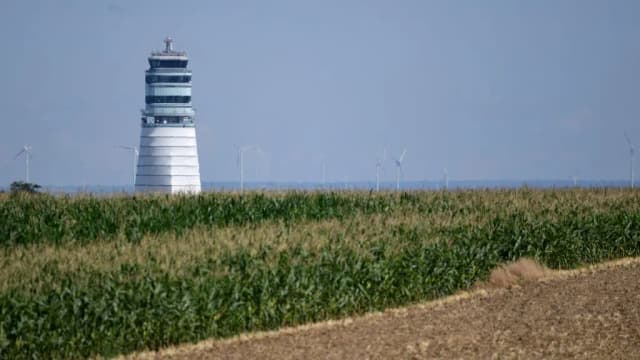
[(168, 158)]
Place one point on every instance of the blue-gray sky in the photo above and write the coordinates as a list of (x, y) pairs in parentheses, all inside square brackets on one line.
[(487, 89)]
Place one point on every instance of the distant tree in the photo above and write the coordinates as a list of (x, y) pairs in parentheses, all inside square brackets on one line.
[(24, 187)]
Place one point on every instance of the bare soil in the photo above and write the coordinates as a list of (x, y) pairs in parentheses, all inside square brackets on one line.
[(535, 313)]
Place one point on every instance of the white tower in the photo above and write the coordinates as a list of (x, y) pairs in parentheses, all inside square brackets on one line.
[(168, 159)]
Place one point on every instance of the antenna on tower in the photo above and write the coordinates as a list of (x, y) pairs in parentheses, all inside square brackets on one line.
[(168, 43)]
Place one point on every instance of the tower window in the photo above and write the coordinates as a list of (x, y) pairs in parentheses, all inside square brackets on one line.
[(152, 79), (156, 63), (170, 119), (167, 99)]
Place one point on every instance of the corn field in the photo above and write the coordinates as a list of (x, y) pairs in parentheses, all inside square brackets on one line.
[(85, 276)]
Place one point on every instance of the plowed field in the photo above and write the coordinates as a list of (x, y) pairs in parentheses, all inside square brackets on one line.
[(590, 313)]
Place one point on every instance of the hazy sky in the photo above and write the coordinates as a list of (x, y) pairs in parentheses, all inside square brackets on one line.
[(487, 89)]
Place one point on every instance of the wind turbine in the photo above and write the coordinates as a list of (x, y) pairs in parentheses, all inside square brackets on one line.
[(135, 152), (324, 172), (398, 162), (26, 150), (632, 150), (241, 151), (446, 179), (379, 163)]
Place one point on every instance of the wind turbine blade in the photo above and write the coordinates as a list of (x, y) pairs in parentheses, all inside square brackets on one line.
[(20, 153), (404, 152), (629, 141)]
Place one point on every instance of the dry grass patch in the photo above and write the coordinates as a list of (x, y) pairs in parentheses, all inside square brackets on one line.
[(515, 273)]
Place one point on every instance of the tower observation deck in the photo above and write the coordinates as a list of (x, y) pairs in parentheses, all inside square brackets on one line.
[(168, 159)]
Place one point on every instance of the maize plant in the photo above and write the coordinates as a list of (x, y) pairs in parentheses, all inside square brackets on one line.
[(87, 276)]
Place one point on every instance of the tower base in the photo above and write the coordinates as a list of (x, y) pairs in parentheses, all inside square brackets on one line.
[(168, 160)]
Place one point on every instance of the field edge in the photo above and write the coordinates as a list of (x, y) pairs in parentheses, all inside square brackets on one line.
[(476, 292)]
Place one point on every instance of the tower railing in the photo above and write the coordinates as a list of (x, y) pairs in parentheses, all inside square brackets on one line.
[(169, 70)]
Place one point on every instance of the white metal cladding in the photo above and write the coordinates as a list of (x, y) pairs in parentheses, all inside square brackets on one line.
[(168, 151), (172, 160), (169, 189), (164, 56), (168, 132), (168, 158), (164, 110), (168, 91), (167, 141), (169, 72), (162, 132), (182, 170)]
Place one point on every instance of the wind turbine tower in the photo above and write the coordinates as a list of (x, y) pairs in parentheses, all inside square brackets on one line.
[(398, 162), (26, 150), (168, 159), (632, 153), (446, 179), (379, 163), (324, 173), (135, 153), (241, 152)]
